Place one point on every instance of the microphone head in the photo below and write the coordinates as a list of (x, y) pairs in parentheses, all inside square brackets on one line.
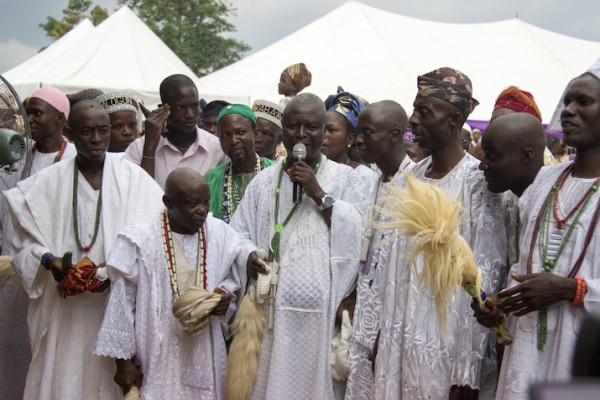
[(299, 151)]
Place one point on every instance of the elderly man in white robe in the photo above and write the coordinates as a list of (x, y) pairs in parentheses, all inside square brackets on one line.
[(416, 357), (316, 244), (77, 205), (556, 281), (150, 267)]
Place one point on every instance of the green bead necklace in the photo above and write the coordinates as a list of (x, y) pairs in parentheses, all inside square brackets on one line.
[(75, 223), (543, 232), (275, 251)]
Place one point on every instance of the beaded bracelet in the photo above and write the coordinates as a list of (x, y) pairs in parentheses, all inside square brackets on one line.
[(580, 291), (44, 261)]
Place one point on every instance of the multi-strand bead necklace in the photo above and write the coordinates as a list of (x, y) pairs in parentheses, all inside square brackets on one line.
[(234, 187), (542, 237), (172, 262)]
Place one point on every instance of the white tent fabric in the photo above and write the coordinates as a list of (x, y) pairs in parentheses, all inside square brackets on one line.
[(120, 53), (378, 55), (35, 64)]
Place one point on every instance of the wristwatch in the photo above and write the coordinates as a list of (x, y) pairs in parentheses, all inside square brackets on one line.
[(326, 202)]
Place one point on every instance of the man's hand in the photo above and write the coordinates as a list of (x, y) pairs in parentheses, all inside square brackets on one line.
[(536, 292), (302, 173), (54, 264), (127, 375), (489, 316), (153, 127), (223, 305), (347, 304), (255, 265)]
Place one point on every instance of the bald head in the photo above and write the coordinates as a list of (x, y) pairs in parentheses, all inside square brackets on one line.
[(513, 147), (380, 135), (521, 130), (187, 198), (392, 113), (181, 178)]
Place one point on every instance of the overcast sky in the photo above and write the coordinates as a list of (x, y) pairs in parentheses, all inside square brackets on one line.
[(262, 22)]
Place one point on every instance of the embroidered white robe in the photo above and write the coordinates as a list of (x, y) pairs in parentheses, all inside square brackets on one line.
[(417, 358), (139, 317), (370, 292), (318, 269)]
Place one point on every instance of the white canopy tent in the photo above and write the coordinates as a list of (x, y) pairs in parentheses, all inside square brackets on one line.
[(120, 53), (378, 55), (23, 71)]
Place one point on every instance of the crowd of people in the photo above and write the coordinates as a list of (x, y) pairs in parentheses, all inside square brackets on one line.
[(221, 251)]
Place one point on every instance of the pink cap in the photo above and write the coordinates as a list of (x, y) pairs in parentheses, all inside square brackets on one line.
[(55, 98)]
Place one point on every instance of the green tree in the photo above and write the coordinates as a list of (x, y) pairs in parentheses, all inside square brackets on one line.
[(193, 30), (76, 11)]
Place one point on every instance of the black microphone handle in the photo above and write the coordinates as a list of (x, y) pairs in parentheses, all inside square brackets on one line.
[(297, 193)]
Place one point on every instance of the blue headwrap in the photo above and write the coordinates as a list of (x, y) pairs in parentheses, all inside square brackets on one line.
[(346, 104)]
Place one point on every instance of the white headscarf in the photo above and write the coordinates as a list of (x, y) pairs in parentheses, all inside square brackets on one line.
[(555, 125)]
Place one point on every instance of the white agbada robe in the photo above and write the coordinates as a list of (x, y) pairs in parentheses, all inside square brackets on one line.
[(62, 331), (139, 317), (523, 364), (371, 286), (14, 343), (318, 269), (417, 358)]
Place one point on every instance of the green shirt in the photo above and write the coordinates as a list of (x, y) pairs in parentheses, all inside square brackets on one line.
[(216, 181)]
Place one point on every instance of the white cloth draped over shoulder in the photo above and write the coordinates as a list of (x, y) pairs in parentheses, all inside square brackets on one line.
[(139, 318), (523, 364), (62, 331), (318, 269), (14, 341), (417, 358)]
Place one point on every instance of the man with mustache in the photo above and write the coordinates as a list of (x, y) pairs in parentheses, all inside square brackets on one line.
[(236, 124), (417, 358), (315, 245)]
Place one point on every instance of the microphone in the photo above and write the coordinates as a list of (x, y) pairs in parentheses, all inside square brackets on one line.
[(299, 153)]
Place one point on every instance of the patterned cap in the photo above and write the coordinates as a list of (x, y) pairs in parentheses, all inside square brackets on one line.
[(270, 111), (450, 85), (118, 101)]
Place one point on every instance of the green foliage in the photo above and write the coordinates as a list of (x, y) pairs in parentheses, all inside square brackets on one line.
[(193, 30), (76, 11)]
